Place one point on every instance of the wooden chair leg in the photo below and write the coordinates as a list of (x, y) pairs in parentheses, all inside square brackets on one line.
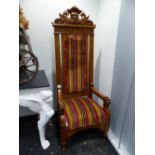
[(63, 133), (105, 130), (105, 134), (63, 145), (63, 140)]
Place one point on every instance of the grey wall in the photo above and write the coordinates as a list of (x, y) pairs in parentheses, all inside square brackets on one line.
[(123, 85), (105, 43)]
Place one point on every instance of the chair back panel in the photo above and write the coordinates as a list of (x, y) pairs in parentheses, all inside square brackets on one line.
[(75, 63), (74, 51)]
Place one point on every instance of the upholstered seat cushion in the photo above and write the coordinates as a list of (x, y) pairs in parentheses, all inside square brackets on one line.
[(82, 112)]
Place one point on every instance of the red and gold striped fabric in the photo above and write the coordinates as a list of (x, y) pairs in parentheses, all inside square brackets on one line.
[(82, 112), (75, 55)]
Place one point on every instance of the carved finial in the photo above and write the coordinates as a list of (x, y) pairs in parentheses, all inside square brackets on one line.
[(73, 16)]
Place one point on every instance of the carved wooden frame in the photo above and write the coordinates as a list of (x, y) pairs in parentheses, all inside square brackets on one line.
[(70, 21)]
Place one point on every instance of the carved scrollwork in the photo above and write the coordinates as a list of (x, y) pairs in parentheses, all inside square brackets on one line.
[(73, 16)]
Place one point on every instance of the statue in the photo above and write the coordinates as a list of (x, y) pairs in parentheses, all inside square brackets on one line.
[(39, 102)]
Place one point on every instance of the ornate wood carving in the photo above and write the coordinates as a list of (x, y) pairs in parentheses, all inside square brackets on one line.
[(73, 21), (73, 16)]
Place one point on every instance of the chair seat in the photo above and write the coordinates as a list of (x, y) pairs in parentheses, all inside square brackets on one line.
[(82, 112)]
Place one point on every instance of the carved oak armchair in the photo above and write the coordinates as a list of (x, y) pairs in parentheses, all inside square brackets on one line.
[(74, 52)]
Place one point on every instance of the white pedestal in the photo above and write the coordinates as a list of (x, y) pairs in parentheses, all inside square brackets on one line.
[(39, 100)]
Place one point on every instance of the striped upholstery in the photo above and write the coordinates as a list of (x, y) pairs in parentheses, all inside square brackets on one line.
[(75, 50), (82, 112)]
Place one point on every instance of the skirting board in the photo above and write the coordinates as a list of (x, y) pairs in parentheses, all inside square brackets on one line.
[(115, 141)]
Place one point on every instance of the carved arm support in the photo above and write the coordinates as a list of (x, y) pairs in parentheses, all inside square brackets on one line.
[(102, 96), (60, 99), (61, 107)]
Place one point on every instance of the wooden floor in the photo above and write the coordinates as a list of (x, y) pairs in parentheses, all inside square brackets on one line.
[(89, 142)]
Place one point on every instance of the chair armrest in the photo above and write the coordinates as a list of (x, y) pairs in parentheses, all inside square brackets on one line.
[(102, 96), (60, 102), (61, 108)]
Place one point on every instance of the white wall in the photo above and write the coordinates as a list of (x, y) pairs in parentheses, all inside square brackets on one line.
[(40, 14), (105, 43)]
